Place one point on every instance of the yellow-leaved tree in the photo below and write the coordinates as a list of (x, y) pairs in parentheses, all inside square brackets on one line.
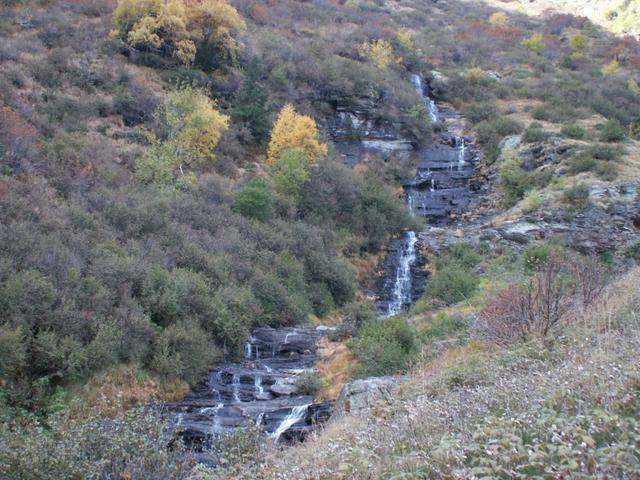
[(187, 30), (293, 131), (194, 127), (379, 52), (534, 43)]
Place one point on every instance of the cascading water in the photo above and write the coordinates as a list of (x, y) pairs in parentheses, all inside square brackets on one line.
[(402, 288), (431, 106), (439, 191), (260, 389), (296, 415)]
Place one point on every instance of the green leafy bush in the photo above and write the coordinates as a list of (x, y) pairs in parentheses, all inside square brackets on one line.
[(535, 133), (309, 383), (452, 284), (516, 181), (491, 132), (577, 196), (134, 444), (461, 254), (573, 130), (254, 200), (384, 347), (184, 351), (612, 131)]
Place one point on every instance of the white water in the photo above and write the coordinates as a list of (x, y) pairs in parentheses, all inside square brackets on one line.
[(257, 382), (247, 350), (402, 287), (428, 102), (236, 387), (297, 414)]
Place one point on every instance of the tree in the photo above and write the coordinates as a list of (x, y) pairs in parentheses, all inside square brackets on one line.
[(254, 200), (290, 172), (380, 52), (579, 42), (295, 131), (187, 30), (534, 43), (251, 103), (611, 68), (193, 129)]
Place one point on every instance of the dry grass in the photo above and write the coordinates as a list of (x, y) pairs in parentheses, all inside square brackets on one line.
[(336, 361), (113, 392)]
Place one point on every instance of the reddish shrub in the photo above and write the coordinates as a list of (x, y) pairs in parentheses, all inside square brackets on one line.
[(546, 300), (17, 141)]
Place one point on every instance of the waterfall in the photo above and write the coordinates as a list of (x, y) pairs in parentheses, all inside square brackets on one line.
[(432, 108), (257, 382), (247, 350), (296, 414), (402, 287), (236, 387), (462, 146)]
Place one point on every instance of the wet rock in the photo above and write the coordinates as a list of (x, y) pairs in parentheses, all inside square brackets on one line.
[(283, 390)]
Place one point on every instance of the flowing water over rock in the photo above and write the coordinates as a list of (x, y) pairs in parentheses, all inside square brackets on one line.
[(439, 191), (259, 390)]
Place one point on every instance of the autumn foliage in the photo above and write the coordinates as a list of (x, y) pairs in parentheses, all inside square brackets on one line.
[(293, 131), (180, 29), (559, 290)]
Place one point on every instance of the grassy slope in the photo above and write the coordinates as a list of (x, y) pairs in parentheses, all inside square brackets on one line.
[(567, 407)]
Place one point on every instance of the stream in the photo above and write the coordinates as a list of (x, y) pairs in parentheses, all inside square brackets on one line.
[(262, 389)]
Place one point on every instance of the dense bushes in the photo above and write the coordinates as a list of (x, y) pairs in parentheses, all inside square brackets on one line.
[(384, 347), (131, 446), (516, 181), (176, 277), (455, 278), (492, 132)]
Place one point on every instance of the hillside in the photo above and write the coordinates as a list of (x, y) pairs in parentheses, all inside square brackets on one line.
[(381, 181)]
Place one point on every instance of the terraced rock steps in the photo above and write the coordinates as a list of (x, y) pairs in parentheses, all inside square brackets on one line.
[(259, 390)]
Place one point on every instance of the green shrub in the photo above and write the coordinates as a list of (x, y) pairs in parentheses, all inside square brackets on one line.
[(309, 383), (573, 130), (479, 112), (443, 326), (133, 445), (254, 200), (540, 112), (582, 162), (491, 132), (452, 284), (531, 201), (613, 131), (535, 133), (515, 180), (183, 351), (289, 173), (633, 251), (536, 255), (384, 347), (459, 254), (577, 196)]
